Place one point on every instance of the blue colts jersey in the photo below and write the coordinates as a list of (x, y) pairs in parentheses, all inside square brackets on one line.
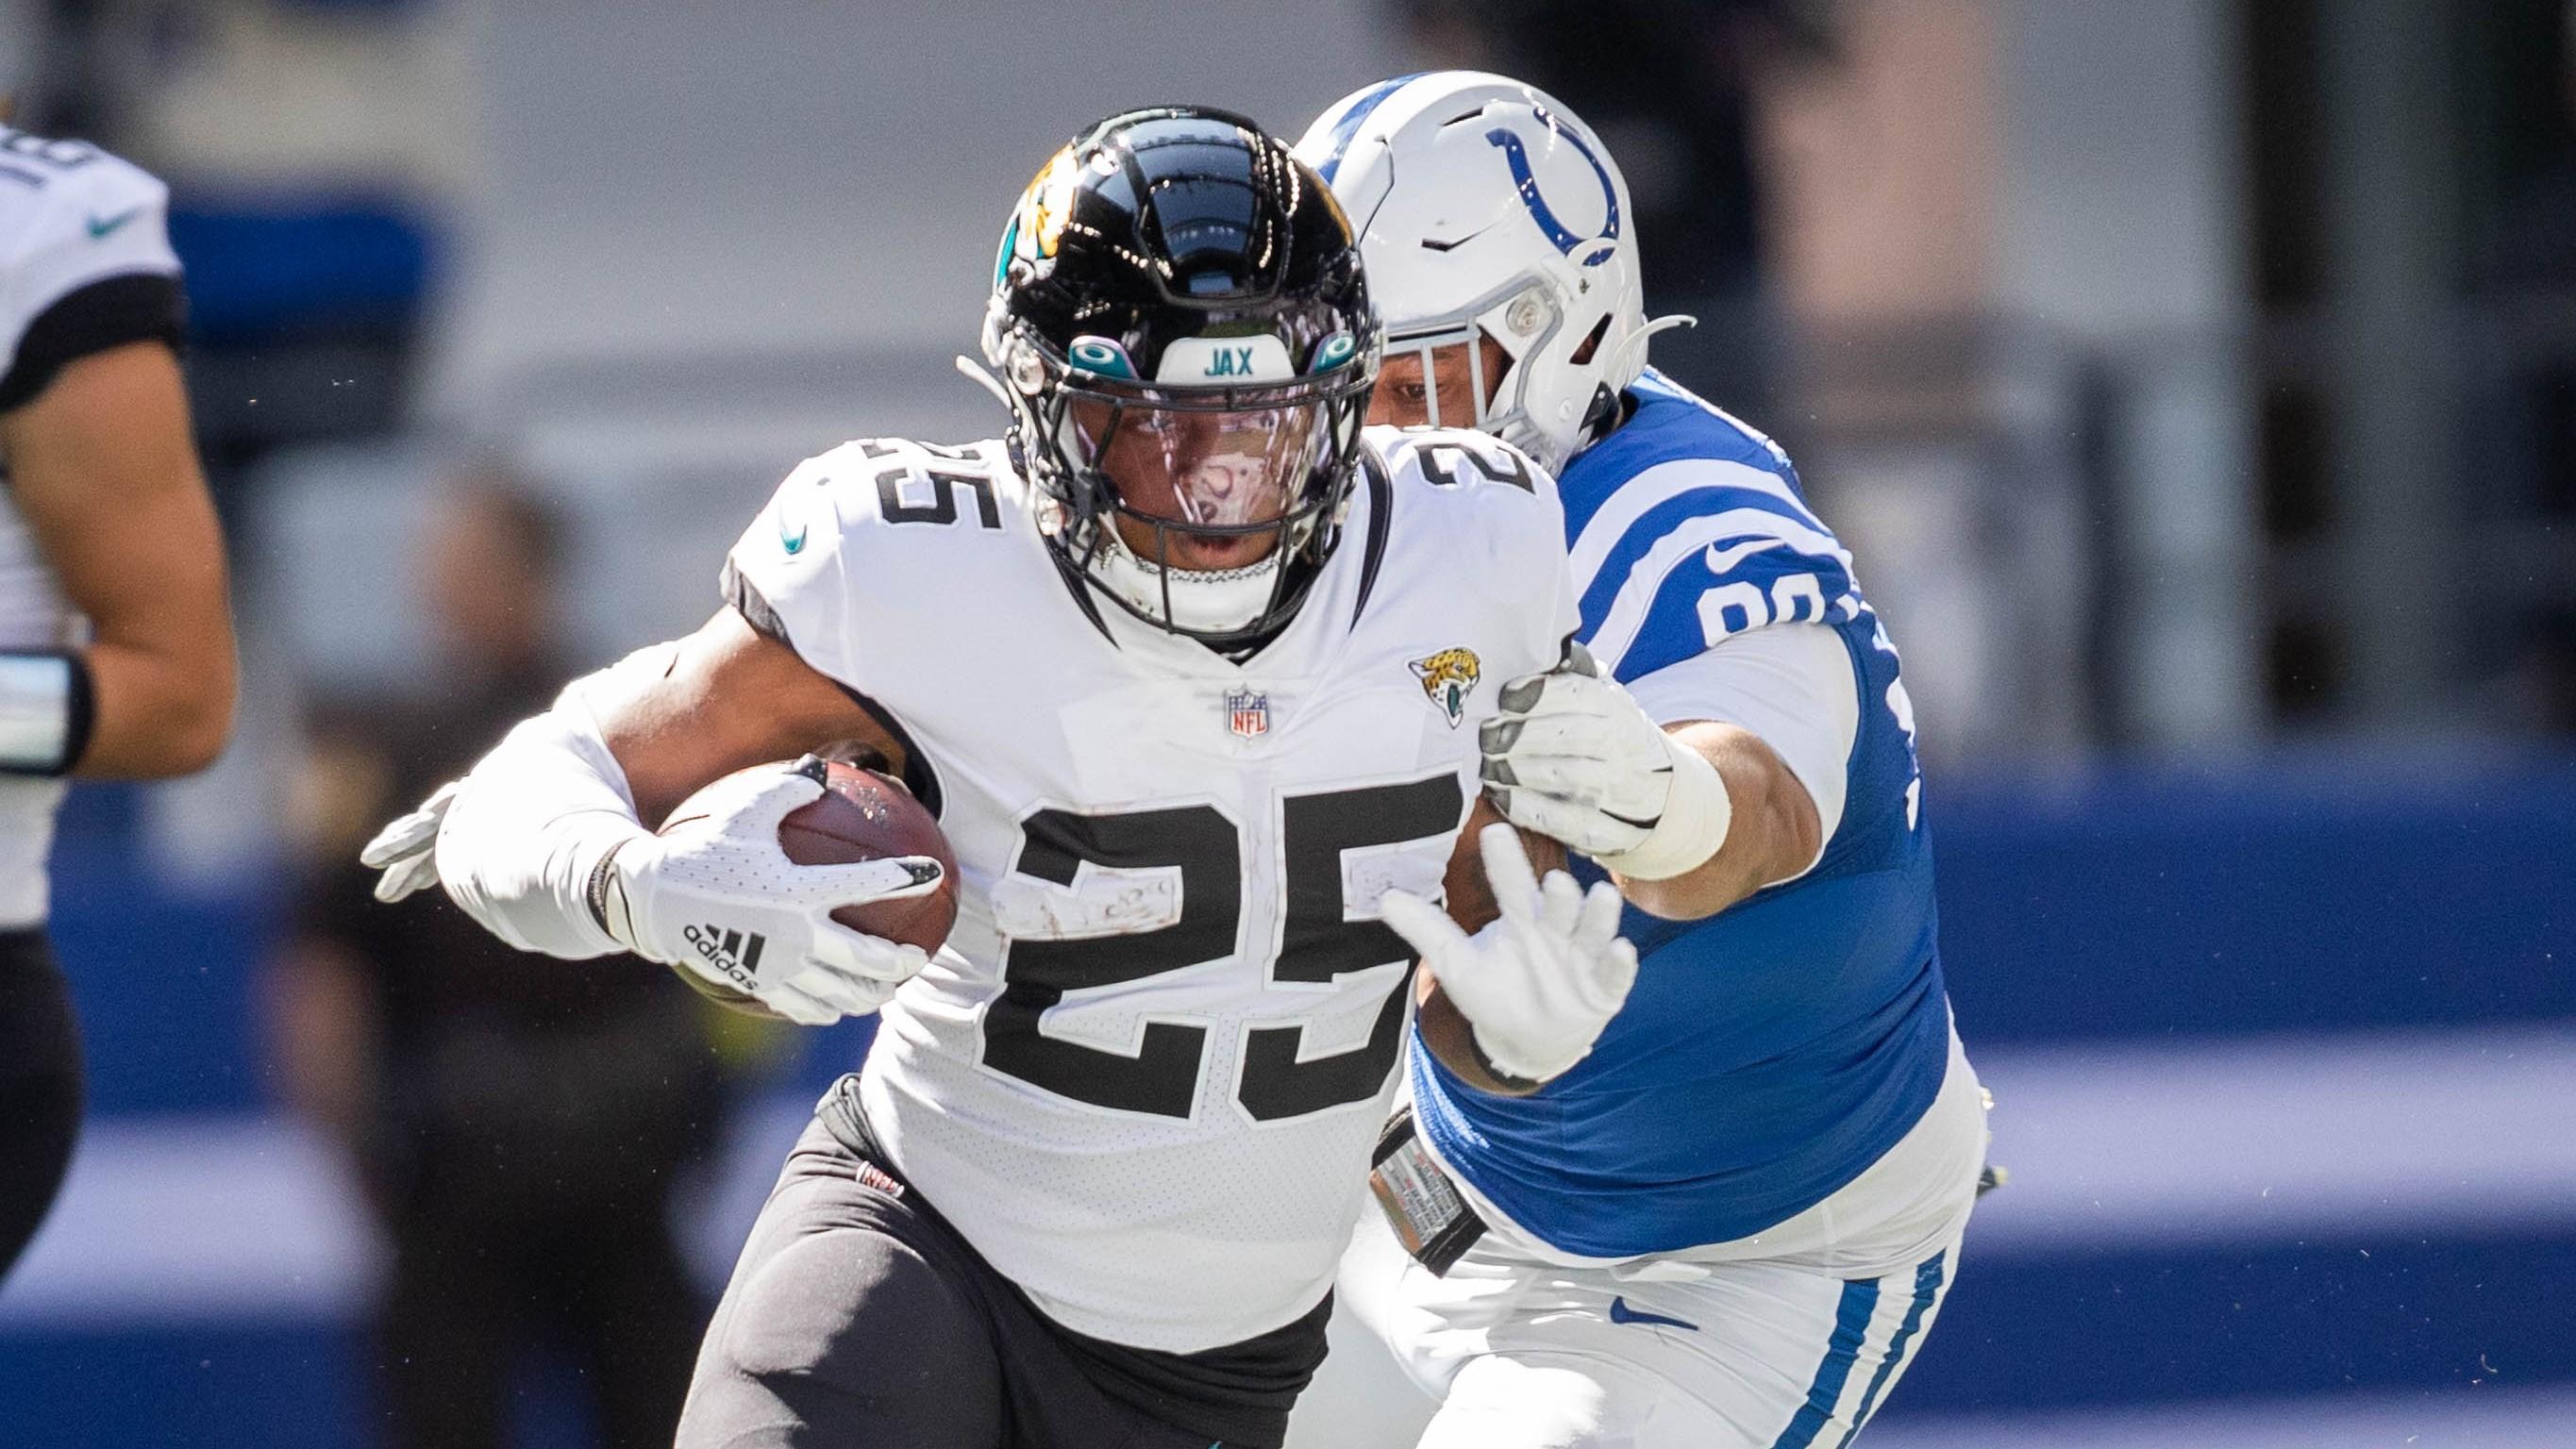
[(1769, 1053)]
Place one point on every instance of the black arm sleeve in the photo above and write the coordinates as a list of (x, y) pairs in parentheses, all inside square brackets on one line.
[(747, 601), (137, 307)]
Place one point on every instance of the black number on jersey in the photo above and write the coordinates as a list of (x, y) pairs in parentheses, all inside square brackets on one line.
[(60, 155), (908, 475), (1317, 947), (1163, 1076), (1449, 462)]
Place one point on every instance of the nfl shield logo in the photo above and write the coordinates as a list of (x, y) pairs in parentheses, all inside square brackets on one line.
[(1248, 712)]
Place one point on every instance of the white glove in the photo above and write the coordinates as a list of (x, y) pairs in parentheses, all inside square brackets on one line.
[(718, 898), (1538, 985), (1572, 757), (406, 850), (714, 895)]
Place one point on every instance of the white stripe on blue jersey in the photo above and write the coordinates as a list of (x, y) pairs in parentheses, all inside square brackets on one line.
[(1683, 536), (1659, 576), (1664, 482)]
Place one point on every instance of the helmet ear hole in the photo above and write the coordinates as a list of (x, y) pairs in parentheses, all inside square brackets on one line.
[(1591, 342)]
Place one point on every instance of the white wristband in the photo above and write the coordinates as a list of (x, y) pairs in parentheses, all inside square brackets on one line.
[(45, 711), (1692, 827)]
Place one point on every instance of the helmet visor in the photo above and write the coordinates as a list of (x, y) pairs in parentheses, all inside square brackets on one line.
[(1210, 479), (1208, 470)]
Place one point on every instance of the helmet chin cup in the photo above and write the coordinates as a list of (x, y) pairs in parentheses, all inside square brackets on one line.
[(1196, 602)]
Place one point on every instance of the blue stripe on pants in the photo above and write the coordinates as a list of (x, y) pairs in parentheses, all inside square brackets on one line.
[(1851, 1325), (1927, 1286)]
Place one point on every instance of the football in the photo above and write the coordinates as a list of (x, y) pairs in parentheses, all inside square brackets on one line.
[(864, 815), (1471, 896)]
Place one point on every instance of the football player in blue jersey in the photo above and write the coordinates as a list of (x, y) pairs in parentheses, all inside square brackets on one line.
[(1733, 1223)]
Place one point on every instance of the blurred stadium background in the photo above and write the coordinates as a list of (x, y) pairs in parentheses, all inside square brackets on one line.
[(2195, 379)]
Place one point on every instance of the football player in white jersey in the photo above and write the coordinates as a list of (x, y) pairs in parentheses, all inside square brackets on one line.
[(116, 649), (1733, 1224), (1190, 667)]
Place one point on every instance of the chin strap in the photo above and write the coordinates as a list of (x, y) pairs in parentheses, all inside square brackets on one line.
[(984, 378), (1635, 343)]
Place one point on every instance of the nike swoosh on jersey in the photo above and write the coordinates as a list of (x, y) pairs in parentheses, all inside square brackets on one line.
[(1720, 560), (1620, 1312), (794, 543), (101, 228)]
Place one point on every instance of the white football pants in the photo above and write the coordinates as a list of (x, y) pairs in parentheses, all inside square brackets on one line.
[(1790, 1340)]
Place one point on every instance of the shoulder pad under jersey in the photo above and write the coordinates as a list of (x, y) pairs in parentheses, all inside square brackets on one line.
[(854, 524)]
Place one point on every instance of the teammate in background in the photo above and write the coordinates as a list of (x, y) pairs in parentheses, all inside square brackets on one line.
[(1733, 1223), (116, 646), (1190, 669)]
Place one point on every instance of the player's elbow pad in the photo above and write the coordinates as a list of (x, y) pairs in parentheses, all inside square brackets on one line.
[(530, 826)]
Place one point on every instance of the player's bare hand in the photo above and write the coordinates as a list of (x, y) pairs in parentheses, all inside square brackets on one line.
[(1538, 985)]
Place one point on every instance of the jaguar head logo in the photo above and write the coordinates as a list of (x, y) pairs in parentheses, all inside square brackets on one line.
[(1448, 677), (1037, 223)]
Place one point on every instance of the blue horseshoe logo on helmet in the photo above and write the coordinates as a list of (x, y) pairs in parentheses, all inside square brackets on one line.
[(1526, 183)]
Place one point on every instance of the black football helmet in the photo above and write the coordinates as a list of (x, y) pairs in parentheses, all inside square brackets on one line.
[(1181, 329)]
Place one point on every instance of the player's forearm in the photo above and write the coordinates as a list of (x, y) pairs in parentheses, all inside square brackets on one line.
[(101, 467), (1451, 1040), (523, 842), (158, 710), (162, 663), (113, 710), (1771, 833)]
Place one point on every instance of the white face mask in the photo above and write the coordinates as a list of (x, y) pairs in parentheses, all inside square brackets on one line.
[(1208, 602)]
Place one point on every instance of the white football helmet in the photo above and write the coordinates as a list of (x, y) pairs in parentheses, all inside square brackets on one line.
[(1485, 209)]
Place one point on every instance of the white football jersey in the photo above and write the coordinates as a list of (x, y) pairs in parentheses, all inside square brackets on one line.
[(1145, 1076), (71, 216)]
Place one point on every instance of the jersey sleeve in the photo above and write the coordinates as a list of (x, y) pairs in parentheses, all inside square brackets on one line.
[(1690, 553), (1508, 505), (1529, 547), (790, 572), (85, 260), (1794, 687)]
